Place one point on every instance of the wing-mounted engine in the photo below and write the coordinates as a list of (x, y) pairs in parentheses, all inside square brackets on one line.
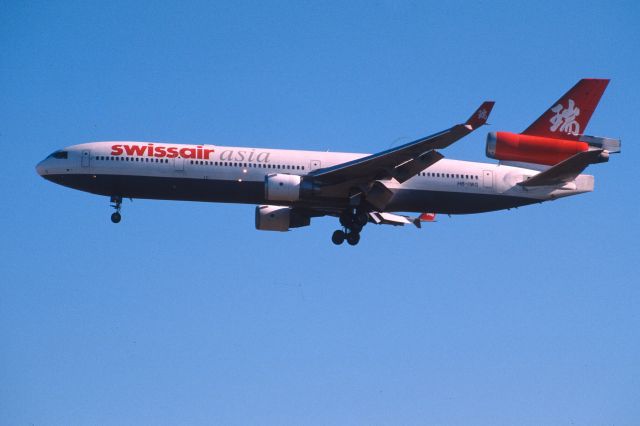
[(282, 187), (278, 218), (506, 146), (289, 188)]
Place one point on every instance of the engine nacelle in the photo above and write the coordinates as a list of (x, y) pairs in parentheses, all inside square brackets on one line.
[(508, 146), (282, 187), (278, 218)]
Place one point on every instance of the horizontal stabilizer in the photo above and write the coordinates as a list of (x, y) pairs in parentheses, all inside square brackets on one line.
[(609, 144), (567, 170)]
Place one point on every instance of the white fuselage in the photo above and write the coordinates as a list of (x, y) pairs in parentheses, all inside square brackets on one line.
[(236, 174)]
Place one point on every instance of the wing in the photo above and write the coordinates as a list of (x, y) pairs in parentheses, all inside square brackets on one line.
[(402, 162)]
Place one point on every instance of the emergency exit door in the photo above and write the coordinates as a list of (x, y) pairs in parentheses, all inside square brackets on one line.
[(487, 179), (86, 158)]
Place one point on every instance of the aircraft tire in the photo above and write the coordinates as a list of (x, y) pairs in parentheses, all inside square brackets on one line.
[(338, 237), (353, 238), (116, 217)]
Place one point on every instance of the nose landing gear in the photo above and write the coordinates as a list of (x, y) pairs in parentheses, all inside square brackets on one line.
[(353, 220), (116, 201)]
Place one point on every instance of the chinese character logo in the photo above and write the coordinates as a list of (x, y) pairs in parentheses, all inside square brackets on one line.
[(565, 118)]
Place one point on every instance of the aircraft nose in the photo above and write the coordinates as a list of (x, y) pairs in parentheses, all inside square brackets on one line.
[(40, 168)]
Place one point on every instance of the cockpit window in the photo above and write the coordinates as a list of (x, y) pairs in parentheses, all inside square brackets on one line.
[(60, 155)]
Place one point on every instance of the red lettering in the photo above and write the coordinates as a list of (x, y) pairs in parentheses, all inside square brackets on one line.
[(135, 150), (150, 150), (172, 152), (187, 153)]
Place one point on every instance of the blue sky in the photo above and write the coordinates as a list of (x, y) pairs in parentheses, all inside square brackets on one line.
[(184, 314)]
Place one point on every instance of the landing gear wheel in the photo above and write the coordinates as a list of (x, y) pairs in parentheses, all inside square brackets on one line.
[(353, 238), (338, 237), (116, 203), (116, 217)]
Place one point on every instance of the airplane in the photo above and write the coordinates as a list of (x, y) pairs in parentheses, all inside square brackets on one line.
[(290, 187)]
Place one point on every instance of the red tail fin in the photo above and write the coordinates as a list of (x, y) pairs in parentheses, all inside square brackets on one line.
[(568, 117)]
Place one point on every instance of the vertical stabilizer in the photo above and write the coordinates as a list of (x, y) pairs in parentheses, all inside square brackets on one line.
[(568, 117)]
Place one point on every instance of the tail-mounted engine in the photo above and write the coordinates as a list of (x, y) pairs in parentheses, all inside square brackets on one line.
[(277, 218), (508, 146)]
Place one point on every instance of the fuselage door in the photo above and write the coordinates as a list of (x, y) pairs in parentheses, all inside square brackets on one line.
[(314, 164), (86, 158), (487, 179), (178, 164)]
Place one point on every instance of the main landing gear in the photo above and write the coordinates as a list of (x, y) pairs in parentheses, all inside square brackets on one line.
[(353, 220), (116, 201)]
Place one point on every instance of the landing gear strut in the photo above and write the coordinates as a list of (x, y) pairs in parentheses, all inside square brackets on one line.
[(116, 203), (353, 220)]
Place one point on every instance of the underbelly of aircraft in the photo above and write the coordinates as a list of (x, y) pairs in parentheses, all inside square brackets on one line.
[(252, 192)]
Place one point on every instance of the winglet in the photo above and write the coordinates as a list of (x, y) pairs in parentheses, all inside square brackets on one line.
[(479, 117)]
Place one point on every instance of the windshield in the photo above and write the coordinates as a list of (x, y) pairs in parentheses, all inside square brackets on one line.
[(59, 155)]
